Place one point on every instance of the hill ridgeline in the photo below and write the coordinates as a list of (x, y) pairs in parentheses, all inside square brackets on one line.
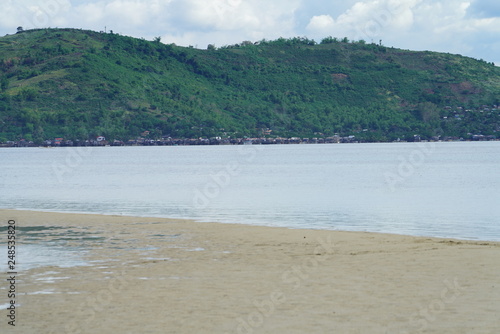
[(79, 85)]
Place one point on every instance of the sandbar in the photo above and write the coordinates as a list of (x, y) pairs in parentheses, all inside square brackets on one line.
[(157, 275)]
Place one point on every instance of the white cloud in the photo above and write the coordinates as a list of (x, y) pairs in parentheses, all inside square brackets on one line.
[(134, 13), (367, 20), (120, 14), (91, 12), (232, 21), (321, 23), (32, 14)]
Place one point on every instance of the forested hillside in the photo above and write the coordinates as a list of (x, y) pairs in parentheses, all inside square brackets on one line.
[(78, 84)]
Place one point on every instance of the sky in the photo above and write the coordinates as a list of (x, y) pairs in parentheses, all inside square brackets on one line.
[(470, 28)]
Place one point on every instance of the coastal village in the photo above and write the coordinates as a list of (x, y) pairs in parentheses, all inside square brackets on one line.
[(449, 114), (60, 142)]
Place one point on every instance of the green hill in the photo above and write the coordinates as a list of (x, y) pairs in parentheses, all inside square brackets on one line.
[(80, 84)]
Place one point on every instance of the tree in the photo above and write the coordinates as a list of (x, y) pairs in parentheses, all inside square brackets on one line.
[(427, 112), (20, 29), (28, 94), (157, 40), (329, 40), (4, 83)]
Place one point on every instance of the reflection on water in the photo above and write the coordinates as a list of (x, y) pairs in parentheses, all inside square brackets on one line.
[(451, 190), (65, 247), (39, 246)]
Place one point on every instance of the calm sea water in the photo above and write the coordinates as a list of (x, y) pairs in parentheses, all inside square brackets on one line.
[(427, 189)]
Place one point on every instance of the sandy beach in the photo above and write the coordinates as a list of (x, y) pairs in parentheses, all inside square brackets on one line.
[(154, 275)]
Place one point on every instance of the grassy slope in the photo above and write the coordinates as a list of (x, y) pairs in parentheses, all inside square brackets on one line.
[(79, 84)]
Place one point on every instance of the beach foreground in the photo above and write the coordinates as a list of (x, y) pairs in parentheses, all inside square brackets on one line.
[(154, 275)]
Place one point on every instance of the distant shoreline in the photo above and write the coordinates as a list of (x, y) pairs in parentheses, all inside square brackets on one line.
[(230, 142)]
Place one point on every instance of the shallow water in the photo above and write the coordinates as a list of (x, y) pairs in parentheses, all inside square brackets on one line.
[(38, 246), (429, 189)]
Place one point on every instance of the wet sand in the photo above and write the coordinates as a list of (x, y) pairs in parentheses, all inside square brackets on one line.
[(153, 275)]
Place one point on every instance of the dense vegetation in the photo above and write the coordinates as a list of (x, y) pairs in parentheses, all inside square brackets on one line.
[(80, 84)]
